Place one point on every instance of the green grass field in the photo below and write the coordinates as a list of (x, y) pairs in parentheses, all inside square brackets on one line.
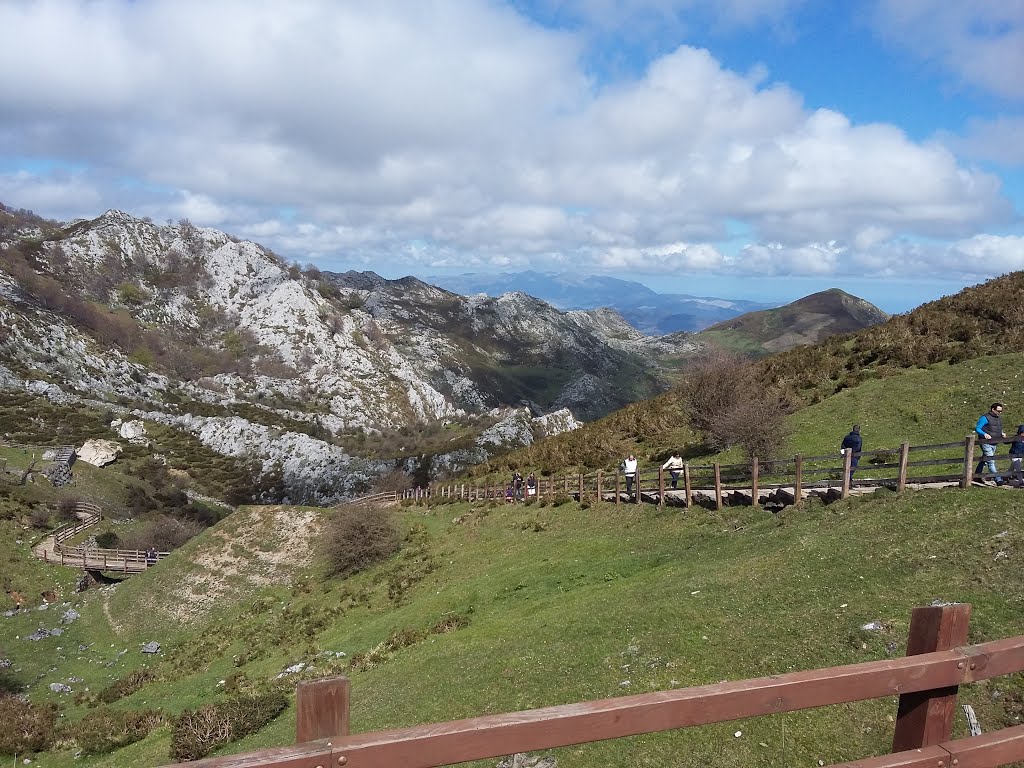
[(556, 605)]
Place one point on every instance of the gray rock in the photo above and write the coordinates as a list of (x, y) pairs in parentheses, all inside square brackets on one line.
[(39, 634), (523, 760), (60, 688), (151, 647), (70, 616)]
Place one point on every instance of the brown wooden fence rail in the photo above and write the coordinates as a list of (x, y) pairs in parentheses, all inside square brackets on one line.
[(926, 680), (92, 558), (778, 481)]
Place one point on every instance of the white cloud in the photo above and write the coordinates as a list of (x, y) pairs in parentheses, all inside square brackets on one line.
[(997, 140), (980, 42), (456, 132)]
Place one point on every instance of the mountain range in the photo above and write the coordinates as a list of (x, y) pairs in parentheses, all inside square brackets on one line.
[(648, 311), (315, 377)]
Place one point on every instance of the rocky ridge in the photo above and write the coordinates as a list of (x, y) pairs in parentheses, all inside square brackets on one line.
[(342, 354)]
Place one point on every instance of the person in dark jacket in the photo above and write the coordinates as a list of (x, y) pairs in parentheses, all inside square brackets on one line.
[(1017, 457), (989, 426), (854, 443)]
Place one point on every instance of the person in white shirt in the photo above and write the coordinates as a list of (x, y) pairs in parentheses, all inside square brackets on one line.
[(675, 466), (629, 468)]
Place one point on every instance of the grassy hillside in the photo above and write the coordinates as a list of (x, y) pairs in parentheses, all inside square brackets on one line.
[(496, 608), (935, 404), (805, 321)]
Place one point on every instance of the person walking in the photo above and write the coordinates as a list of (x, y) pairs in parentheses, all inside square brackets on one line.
[(854, 443), (989, 427), (1017, 457), (675, 466), (629, 469)]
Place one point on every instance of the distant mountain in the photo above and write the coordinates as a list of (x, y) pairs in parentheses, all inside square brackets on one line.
[(649, 312), (806, 321)]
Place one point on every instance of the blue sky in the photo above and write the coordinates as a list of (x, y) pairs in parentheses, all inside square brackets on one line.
[(740, 148)]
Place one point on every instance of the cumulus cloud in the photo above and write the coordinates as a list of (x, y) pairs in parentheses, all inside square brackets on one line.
[(457, 132)]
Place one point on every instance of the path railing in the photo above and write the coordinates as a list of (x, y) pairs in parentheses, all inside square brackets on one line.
[(94, 558), (926, 681), (778, 481)]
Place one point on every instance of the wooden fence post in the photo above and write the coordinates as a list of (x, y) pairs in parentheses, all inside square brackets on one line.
[(616, 487), (847, 465), (581, 486), (686, 485), (718, 486), (661, 487), (965, 481), (636, 478), (755, 498), (926, 717), (798, 483), (599, 489), (901, 482), (322, 709)]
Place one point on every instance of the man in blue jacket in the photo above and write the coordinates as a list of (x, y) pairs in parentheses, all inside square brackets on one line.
[(989, 426), (853, 442)]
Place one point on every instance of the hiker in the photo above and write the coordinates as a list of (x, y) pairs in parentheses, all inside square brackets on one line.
[(853, 442), (628, 467), (531, 485), (517, 484), (675, 466), (151, 557), (1017, 457), (989, 427)]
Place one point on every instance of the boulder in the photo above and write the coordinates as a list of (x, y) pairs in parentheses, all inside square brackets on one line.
[(151, 647), (99, 453), (133, 431)]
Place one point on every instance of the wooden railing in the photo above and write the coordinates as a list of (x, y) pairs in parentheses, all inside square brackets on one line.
[(926, 681), (94, 558), (779, 481)]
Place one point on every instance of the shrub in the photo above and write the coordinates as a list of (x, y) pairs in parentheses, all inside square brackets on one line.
[(106, 729), (27, 727), (40, 517), (356, 538), (126, 686), (67, 507), (107, 540), (198, 732)]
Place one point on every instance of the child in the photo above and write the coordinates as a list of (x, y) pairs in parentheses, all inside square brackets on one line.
[(1016, 454)]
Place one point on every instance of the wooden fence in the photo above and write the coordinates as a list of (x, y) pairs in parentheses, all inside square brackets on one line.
[(779, 481), (93, 558), (926, 681)]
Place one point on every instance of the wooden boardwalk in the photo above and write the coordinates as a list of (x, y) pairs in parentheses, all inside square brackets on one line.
[(53, 549)]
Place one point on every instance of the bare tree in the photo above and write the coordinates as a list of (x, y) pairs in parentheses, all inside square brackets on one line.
[(730, 405)]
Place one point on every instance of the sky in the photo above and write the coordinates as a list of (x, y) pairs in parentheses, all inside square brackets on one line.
[(757, 149)]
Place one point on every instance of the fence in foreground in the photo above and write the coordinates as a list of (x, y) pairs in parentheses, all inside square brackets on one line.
[(926, 681)]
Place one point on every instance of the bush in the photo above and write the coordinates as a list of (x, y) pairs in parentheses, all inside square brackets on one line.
[(106, 729), (198, 732), (356, 538), (40, 517), (27, 727), (126, 686), (107, 540), (67, 507)]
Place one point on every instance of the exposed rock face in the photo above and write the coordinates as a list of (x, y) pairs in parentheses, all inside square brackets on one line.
[(315, 355), (99, 453)]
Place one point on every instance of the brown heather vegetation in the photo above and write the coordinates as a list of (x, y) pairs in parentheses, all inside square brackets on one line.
[(983, 320)]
